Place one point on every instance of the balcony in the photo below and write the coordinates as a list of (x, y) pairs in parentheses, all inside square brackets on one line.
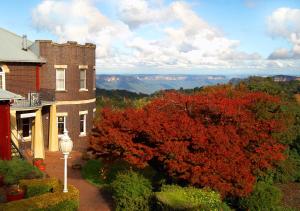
[(33, 100)]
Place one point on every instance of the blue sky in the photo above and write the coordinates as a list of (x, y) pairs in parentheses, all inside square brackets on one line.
[(163, 36)]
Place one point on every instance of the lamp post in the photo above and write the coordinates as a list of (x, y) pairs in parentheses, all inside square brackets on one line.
[(66, 145)]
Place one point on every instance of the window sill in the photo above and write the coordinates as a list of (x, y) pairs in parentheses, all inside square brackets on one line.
[(82, 134), (83, 90)]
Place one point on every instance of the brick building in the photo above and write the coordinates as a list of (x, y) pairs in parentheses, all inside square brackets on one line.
[(58, 82)]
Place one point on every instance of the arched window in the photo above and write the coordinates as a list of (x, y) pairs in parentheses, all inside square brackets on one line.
[(2, 79)]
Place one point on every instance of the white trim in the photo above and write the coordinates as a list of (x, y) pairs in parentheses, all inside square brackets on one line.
[(83, 112), (94, 109), (83, 90), (61, 66), (75, 102), (81, 66), (61, 89), (27, 115), (2, 74), (62, 114)]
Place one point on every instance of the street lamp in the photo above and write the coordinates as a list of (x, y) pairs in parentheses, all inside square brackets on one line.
[(66, 145)]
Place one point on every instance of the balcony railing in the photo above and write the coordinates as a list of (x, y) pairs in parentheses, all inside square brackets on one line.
[(32, 100)]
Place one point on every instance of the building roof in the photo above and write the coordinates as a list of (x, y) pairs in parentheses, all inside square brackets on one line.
[(6, 95), (11, 49)]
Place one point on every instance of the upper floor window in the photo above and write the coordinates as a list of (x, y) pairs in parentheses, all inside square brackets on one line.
[(60, 79), (2, 79), (94, 79), (83, 79)]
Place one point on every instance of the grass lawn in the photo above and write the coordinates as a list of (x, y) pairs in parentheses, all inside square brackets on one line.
[(91, 172)]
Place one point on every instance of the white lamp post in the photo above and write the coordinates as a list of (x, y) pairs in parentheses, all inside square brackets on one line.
[(66, 145)]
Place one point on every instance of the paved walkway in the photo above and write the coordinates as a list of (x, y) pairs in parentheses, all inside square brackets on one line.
[(91, 198)]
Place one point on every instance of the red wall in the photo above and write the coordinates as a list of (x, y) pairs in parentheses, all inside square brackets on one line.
[(5, 145)]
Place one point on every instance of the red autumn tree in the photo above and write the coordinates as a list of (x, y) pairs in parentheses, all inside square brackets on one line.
[(218, 138)]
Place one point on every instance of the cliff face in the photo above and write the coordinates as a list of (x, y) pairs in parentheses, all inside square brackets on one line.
[(151, 83), (284, 78)]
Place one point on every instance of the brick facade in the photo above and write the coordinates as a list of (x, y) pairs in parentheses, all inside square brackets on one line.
[(21, 78), (71, 55)]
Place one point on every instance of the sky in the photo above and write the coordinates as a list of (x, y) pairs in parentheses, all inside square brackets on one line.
[(164, 36)]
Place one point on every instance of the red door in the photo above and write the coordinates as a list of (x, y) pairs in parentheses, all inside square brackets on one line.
[(5, 145)]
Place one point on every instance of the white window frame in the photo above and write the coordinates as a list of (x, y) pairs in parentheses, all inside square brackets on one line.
[(94, 79), (65, 123), (2, 75), (85, 87), (64, 88), (82, 133), (20, 131)]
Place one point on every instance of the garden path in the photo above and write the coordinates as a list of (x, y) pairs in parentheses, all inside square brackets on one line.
[(91, 199)]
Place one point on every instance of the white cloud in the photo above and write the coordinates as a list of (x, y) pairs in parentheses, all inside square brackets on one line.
[(186, 42), (79, 20), (285, 23)]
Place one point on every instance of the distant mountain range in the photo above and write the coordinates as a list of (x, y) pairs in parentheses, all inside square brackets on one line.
[(151, 83)]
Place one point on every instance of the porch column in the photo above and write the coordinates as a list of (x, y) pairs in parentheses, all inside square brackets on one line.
[(53, 131), (13, 127), (38, 138)]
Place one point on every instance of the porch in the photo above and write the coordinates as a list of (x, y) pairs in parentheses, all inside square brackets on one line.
[(34, 126)]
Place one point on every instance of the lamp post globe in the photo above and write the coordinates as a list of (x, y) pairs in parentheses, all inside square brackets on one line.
[(65, 145)]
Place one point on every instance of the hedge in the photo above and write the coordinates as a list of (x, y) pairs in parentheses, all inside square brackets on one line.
[(174, 197), (37, 187), (131, 191), (265, 196), (47, 202), (17, 169)]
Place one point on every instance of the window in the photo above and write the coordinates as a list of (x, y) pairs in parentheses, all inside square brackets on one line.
[(61, 124), (82, 79), (82, 124), (2, 79), (94, 79), (60, 79), (26, 127)]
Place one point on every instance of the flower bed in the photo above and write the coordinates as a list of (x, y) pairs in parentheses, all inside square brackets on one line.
[(54, 199)]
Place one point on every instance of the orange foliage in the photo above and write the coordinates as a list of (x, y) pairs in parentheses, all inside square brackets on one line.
[(212, 138)]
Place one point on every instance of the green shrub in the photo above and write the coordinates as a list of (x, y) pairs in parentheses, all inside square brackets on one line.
[(37, 187), (264, 197), (17, 169), (114, 169), (47, 202), (131, 191), (174, 197)]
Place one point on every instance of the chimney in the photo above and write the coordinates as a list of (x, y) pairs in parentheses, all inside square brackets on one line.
[(24, 43)]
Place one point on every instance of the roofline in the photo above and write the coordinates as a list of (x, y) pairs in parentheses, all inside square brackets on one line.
[(16, 35), (67, 43), (41, 61)]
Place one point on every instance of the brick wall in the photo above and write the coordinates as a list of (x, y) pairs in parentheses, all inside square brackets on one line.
[(72, 55), (21, 78), (73, 122)]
